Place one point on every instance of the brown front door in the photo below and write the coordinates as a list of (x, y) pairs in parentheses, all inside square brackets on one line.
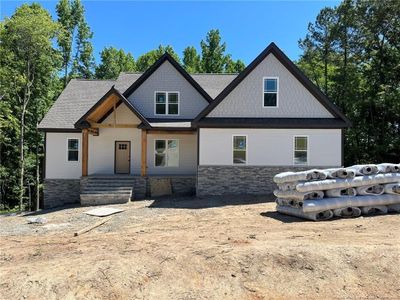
[(122, 157)]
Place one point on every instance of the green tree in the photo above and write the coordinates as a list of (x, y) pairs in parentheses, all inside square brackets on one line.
[(355, 54), (146, 60), (114, 61), (320, 40), (191, 60), (74, 40), (28, 65), (232, 66), (212, 53)]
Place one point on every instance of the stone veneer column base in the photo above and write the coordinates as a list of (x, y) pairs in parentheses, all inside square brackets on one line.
[(239, 180), (58, 192)]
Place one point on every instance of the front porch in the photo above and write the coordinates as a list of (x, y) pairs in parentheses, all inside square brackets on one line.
[(126, 156), (100, 189)]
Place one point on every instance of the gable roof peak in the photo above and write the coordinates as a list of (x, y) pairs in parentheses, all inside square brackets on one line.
[(166, 57), (292, 68)]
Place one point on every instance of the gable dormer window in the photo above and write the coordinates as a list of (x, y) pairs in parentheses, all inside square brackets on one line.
[(167, 103), (271, 89)]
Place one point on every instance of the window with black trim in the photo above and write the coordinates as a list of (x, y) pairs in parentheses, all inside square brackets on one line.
[(167, 103), (271, 88), (73, 150)]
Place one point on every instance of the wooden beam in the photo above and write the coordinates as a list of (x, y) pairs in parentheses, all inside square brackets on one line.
[(101, 125), (171, 132), (144, 153), (85, 151), (115, 112)]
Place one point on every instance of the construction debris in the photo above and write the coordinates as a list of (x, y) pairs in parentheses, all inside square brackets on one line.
[(37, 220), (91, 227), (344, 192), (103, 211)]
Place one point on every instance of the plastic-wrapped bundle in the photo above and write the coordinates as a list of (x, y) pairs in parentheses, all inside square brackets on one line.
[(392, 188), (333, 203), (393, 208), (298, 195), (345, 183), (297, 212), (364, 169), (287, 186), (289, 202), (388, 168), (374, 210), (299, 176), (347, 212), (346, 192), (376, 189), (339, 173)]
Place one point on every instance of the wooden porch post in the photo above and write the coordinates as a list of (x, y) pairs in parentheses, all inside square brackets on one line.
[(85, 152), (144, 153)]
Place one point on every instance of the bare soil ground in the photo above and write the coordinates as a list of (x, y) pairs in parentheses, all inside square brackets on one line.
[(199, 249)]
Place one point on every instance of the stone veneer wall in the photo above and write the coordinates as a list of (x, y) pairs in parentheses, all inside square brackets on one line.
[(239, 180), (183, 185), (58, 192), (139, 188), (180, 185)]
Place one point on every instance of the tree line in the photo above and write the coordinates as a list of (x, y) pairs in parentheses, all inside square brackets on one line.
[(38, 57), (351, 51)]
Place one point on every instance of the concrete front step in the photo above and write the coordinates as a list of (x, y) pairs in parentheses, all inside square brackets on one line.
[(108, 187), (102, 189), (100, 199), (107, 192)]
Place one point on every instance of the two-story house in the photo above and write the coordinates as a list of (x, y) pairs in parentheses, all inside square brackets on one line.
[(167, 131)]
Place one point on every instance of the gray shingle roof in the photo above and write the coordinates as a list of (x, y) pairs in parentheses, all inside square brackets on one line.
[(213, 84), (80, 95), (74, 101), (125, 80)]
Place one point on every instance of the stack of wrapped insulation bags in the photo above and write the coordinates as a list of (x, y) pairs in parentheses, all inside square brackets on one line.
[(341, 192)]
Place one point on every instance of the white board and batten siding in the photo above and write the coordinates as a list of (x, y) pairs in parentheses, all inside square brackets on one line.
[(246, 100), (270, 147)]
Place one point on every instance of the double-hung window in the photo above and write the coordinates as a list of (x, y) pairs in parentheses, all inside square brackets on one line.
[(167, 103), (166, 153), (72, 149), (300, 150), (271, 89), (239, 149)]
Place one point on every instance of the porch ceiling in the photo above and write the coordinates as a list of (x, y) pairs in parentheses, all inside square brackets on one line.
[(103, 108)]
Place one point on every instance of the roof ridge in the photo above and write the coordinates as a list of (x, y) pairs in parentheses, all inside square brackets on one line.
[(130, 73), (90, 79), (213, 73)]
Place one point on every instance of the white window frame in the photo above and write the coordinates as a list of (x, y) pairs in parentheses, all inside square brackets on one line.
[(166, 103), (264, 92), (79, 150), (166, 152), (246, 151), (307, 151)]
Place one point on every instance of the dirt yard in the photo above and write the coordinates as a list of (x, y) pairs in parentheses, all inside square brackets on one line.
[(199, 249)]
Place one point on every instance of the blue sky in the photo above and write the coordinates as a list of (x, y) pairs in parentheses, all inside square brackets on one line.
[(246, 27)]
